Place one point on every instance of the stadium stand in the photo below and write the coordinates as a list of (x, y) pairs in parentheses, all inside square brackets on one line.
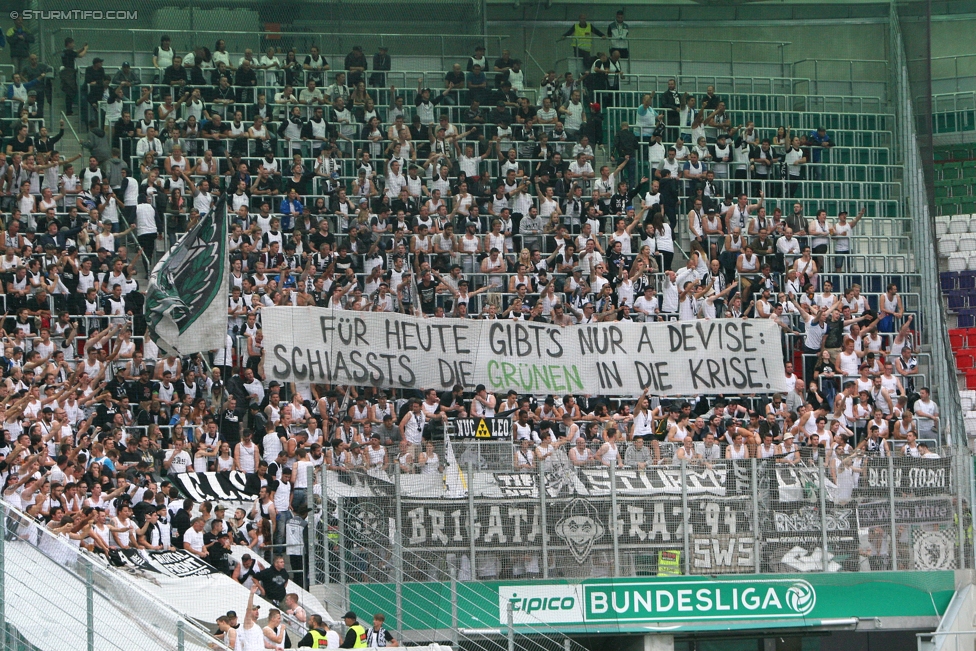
[(461, 186)]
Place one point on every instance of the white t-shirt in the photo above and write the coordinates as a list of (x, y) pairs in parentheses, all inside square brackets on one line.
[(181, 463), (194, 538), (145, 219), (792, 156)]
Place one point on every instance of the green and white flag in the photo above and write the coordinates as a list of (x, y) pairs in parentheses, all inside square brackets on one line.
[(186, 304)]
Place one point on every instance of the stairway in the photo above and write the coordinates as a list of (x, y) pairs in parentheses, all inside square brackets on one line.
[(97, 606)]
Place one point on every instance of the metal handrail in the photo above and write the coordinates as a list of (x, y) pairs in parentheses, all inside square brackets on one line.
[(221, 33), (956, 76), (139, 38), (71, 127), (682, 58), (122, 219), (628, 76), (650, 39), (101, 568)]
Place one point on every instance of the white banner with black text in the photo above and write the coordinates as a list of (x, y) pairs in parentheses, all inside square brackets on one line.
[(718, 356)]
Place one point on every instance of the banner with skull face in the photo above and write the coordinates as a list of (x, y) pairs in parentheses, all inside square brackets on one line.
[(579, 526)]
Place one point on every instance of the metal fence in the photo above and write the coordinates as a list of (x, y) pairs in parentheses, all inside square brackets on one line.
[(483, 520), (97, 607)]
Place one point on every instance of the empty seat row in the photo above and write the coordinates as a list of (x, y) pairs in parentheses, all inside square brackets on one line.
[(967, 399), (970, 381), (962, 261), (955, 224), (961, 338), (970, 421), (957, 299), (965, 359)]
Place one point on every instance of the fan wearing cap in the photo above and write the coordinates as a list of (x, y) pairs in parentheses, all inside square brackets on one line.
[(355, 634), (126, 77), (251, 637), (789, 452)]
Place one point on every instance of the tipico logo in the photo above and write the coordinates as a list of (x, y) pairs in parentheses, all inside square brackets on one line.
[(801, 598), (551, 604)]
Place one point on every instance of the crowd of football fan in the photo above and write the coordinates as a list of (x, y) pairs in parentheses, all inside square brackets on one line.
[(424, 203)]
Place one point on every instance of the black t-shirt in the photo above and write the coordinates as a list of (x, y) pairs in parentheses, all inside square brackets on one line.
[(501, 63), (457, 78), (526, 112), (824, 366), (117, 388), (139, 512), (316, 239), (17, 146), (128, 457), (211, 128), (419, 133), (68, 58), (496, 116), (140, 391), (555, 169), (270, 183), (428, 295), (835, 334), (449, 400), (69, 276), (173, 73), (274, 582), (246, 77), (217, 556)]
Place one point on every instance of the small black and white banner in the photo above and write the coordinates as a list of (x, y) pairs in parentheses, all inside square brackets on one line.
[(179, 563), (233, 486), (483, 429), (933, 550)]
